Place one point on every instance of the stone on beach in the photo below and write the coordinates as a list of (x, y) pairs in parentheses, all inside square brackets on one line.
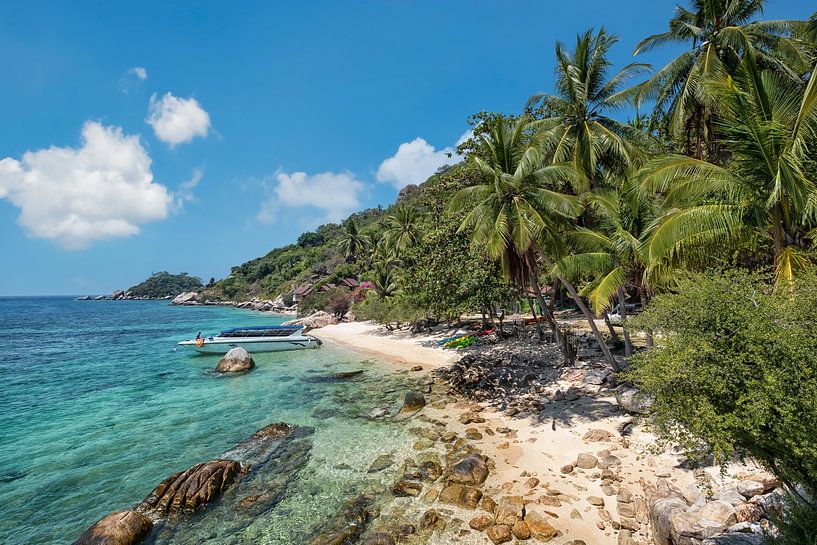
[(237, 360), (472, 470), (316, 320), (120, 528)]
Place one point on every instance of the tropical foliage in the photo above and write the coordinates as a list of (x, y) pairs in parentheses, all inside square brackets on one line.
[(164, 284)]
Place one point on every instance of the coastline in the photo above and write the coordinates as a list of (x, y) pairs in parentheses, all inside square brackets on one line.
[(540, 456)]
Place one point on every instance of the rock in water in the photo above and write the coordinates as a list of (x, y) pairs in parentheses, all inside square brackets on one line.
[(121, 528), (470, 470), (185, 491), (412, 403), (237, 360)]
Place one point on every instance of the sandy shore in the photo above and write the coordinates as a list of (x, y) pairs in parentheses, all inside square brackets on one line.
[(530, 451)]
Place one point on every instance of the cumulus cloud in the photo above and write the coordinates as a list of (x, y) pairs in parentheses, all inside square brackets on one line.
[(177, 120), (335, 195), (415, 161), (140, 72), (76, 196)]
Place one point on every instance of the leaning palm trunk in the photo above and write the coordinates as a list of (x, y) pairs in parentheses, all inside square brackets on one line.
[(591, 321), (611, 328), (628, 344), (561, 340)]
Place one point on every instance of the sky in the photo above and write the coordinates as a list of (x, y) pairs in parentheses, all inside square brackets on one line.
[(138, 137)]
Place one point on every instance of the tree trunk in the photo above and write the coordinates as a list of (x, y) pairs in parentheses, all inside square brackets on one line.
[(588, 315), (610, 328), (561, 340), (628, 345), (642, 295)]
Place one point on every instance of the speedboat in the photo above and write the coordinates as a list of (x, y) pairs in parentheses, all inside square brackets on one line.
[(254, 339)]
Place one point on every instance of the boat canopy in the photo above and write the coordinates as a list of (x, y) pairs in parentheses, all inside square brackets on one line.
[(262, 331)]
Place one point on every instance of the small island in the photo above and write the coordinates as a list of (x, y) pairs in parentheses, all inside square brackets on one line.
[(160, 285)]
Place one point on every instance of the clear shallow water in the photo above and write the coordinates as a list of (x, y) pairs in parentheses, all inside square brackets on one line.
[(97, 407)]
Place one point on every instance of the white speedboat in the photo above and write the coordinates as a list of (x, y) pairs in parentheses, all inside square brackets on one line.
[(254, 339)]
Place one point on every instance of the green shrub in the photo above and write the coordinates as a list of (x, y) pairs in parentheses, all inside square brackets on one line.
[(734, 370), (796, 526), (390, 311)]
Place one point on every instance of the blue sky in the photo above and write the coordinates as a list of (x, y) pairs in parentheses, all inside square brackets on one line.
[(145, 136)]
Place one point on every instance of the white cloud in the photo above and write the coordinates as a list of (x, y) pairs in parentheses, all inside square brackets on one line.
[(140, 72), (185, 192), (76, 196), (415, 161), (177, 120), (336, 195)]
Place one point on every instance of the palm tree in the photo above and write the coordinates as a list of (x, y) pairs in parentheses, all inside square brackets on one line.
[(385, 278), (517, 207), (576, 128), (352, 241), (719, 33), (402, 227), (769, 128)]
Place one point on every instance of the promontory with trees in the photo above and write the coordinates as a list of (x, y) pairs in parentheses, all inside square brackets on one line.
[(685, 194)]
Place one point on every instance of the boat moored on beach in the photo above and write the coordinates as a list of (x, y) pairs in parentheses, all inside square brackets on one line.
[(254, 339)]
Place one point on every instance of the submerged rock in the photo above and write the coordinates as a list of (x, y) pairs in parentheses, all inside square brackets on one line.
[(412, 403), (336, 377), (120, 528), (472, 469), (237, 360), (347, 525), (183, 492)]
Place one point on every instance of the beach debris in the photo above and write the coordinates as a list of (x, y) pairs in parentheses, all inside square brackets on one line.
[(237, 360), (120, 528)]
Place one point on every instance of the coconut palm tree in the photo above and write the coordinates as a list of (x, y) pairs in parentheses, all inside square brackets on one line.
[(402, 227), (352, 241), (385, 278), (769, 128), (575, 128), (518, 208), (719, 33)]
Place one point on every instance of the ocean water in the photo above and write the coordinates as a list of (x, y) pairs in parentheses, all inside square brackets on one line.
[(97, 407)]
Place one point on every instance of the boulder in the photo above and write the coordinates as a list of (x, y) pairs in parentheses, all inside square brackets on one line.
[(718, 511), (379, 538), (481, 523), (633, 401), (586, 460), (750, 489), (509, 510), (120, 528), (185, 491), (471, 470), (734, 539), (597, 436), (521, 530), (466, 497), (539, 527), (237, 360), (184, 298), (412, 403), (314, 321), (501, 533), (404, 488)]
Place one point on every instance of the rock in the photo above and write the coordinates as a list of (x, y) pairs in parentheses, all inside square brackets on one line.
[(629, 524), (481, 523), (473, 434), (719, 511), (624, 496), (540, 528), (568, 468), (595, 501), (586, 460), (429, 519), (509, 510), (237, 360), (574, 514), (625, 537), (520, 530), (597, 436), (120, 528), (632, 401), (314, 321), (405, 488), (750, 489), (501, 533), (608, 461), (531, 483), (730, 495), (412, 403), (184, 298), (463, 496), (185, 491), (429, 471), (626, 510), (749, 512), (550, 501), (734, 539), (471, 470), (379, 538), (416, 368), (336, 377), (380, 463), (347, 524), (488, 504)]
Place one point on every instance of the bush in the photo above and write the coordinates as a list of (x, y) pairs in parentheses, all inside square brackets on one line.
[(389, 311), (734, 371), (796, 526)]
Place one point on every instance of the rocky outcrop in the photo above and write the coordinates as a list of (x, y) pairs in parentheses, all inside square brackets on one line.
[(237, 360), (120, 528), (314, 321), (187, 298), (185, 491)]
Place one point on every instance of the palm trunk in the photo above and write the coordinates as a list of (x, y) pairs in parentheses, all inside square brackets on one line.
[(642, 294), (628, 345), (536, 323), (588, 316), (561, 341), (610, 328)]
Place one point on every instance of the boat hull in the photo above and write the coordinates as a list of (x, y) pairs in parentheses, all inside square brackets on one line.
[(222, 346)]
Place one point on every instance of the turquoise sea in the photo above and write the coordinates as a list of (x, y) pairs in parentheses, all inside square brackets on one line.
[(97, 407)]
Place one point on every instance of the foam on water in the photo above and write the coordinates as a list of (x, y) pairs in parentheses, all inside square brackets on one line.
[(98, 407)]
